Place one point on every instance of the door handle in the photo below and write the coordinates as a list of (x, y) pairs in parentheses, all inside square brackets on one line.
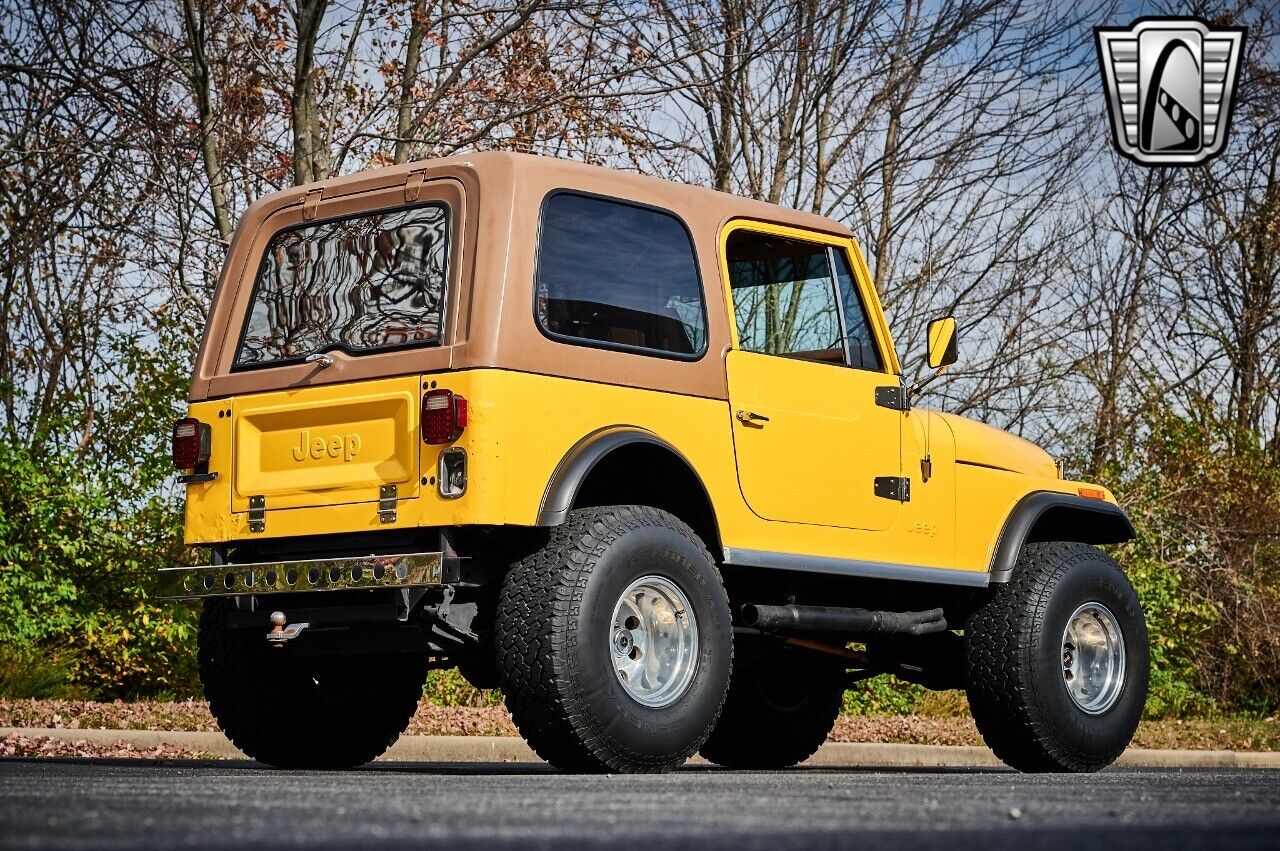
[(749, 417)]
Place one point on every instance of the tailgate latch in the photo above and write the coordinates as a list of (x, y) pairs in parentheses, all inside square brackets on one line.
[(387, 504), (257, 514)]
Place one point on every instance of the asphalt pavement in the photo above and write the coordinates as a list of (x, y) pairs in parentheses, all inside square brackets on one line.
[(132, 804)]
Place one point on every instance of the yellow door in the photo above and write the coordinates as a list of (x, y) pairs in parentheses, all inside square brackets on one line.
[(327, 445), (815, 459), (810, 350)]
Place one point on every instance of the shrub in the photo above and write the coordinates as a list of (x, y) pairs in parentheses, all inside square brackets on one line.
[(76, 584), (449, 688), (29, 673), (882, 695), (1204, 497)]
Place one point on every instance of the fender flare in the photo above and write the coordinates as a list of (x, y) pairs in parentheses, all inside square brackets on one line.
[(1075, 518), (578, 462)]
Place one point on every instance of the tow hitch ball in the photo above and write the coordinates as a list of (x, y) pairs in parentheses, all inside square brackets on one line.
[(280, 634)]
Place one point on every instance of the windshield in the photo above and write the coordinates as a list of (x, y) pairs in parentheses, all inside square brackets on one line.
[(362, 283)]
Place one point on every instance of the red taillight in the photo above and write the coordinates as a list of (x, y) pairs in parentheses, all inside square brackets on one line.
[(444, 416), (191, 441)]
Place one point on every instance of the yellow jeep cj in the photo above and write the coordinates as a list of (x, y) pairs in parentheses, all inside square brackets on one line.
[(639, 455)]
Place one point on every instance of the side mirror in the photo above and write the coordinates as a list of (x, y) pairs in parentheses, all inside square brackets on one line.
[(942, 343)]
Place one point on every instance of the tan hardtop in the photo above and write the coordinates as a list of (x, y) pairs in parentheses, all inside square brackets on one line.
[(494, 200)]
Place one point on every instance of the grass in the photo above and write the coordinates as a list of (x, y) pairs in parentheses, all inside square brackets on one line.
[(26, 672)]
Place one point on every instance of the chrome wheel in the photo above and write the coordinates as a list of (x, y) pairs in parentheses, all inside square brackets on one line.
[(653, 641), (1093, 658)]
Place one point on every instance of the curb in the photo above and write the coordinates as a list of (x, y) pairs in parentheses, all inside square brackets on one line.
[(511, 749)]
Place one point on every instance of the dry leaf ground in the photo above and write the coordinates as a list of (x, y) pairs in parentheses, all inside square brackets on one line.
[(431, 720)]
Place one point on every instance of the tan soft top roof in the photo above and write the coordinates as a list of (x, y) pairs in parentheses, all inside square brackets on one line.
[(496, 198), (506, 165)]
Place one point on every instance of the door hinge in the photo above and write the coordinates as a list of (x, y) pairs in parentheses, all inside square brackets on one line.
[(257, 513), (387, 504), (311, 203), (413, 184), (893, 398), (893, 487)]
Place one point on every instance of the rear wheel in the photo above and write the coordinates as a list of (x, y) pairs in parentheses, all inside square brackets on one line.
[(614, 643), (303, 711), (1056, 661), (782, 704)]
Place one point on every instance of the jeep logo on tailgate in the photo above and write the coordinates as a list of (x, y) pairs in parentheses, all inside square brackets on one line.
[(337, 446)]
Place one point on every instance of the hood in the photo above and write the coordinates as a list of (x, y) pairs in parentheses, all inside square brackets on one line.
[(979, 443)]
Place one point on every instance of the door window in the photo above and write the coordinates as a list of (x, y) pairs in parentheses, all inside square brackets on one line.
[(786, 301), (861, 343)]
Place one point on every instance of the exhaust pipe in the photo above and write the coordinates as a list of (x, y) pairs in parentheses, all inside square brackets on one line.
[(824, 619)]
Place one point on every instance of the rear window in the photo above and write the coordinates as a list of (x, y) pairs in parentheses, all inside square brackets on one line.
[(359, 284), (618, 276)]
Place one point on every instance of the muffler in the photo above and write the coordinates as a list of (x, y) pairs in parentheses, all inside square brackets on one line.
[(828, 620)]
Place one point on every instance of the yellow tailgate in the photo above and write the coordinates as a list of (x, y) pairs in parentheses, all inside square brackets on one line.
[(327, 445)]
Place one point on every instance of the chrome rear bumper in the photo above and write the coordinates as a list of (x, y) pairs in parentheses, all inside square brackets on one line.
[(290, 577)]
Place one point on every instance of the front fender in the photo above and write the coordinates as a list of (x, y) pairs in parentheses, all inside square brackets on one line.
[(1049, 516)]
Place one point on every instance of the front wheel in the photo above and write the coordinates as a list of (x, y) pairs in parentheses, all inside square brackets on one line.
[(304, 711), (1057, 662), (614, 642)]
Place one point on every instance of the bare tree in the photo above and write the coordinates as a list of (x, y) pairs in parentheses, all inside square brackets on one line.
[(200, 80), (1215, 257), (310, 153), (951, 138), (1116, 298), (76, 101)]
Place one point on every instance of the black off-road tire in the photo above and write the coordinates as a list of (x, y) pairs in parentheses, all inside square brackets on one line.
[(299, 711), (480, 670), (782, 703), (554, 619), (1014, 664)]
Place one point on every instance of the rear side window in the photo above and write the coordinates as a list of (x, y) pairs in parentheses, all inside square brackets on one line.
[(358, 284), (618, 276)]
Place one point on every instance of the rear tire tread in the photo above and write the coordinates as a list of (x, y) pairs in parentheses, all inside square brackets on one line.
[(537, 605)]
